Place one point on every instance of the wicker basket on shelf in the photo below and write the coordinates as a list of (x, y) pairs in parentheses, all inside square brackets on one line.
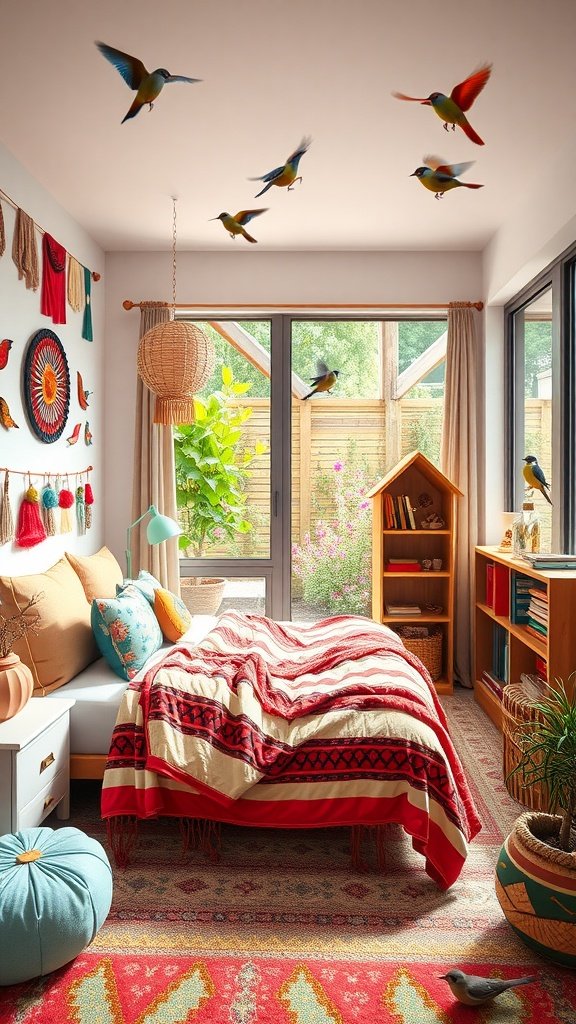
[(516, 711), (427, 648)]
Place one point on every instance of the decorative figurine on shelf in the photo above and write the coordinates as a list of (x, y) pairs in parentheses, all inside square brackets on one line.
[(433, 522), (505, 544)]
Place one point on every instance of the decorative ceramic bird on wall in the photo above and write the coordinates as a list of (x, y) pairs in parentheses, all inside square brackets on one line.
[(87, 434), (450, 109), (287, 174), (473, 990), (149, 84), (534, 476), (235, 225), (324, 380), (5, 417), (440, 177), (83, 395), (5, 347), (74, 435)]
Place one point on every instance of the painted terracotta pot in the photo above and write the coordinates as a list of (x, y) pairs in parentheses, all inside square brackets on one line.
[(16, 685), (536, 888)]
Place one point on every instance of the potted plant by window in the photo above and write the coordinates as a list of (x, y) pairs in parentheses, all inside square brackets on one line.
[(16, 680), (212, 467), (536, 869)]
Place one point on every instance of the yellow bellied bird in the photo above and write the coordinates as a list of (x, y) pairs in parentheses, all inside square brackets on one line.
[(450, 109), (534, 476), (440, 177), (324, 380), (149, 84), (287, 174), (235, 225)]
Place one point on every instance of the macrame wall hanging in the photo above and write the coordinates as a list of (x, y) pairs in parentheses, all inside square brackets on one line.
[(46, 381), (29, 528), (38, 516), (175, 359)]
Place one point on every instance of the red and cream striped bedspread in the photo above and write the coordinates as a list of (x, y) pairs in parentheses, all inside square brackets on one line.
[(285, 725)]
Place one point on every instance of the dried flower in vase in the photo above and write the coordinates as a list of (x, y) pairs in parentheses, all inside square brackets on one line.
[(14, 628)]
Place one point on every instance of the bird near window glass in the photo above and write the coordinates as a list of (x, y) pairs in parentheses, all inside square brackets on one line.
[(534, 476)]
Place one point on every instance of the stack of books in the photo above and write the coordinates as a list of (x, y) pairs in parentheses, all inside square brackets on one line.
[(404, 608), (398, 512), (547, 561), (521, 588), (403, 565), (537, 620)]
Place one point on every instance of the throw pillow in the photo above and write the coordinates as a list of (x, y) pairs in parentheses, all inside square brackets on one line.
[(63, 644), (126, 631), (97, 573), (172, 614), (146, 583)]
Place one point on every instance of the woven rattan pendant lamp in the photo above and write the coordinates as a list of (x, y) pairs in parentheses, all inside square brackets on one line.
[(175, 359)]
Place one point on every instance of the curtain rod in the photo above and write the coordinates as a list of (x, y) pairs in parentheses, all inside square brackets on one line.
[(94, 273), (128, 304)]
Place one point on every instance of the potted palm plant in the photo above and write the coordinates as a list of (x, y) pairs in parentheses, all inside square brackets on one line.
[(212, 467), (536, 870)]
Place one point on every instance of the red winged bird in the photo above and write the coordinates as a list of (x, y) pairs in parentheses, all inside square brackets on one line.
[(149, 84), (450, 109), (440, 177)]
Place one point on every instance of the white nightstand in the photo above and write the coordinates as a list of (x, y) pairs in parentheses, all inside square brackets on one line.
[(35, 764)]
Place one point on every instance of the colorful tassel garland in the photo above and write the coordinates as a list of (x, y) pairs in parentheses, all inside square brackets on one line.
[(49, 503), (6, 518), (88, 502), (65, 501), (30, 529), (80, 511)]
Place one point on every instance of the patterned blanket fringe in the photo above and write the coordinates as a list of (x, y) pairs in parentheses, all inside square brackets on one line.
[(200, 834), (122, 836), (357, 834)]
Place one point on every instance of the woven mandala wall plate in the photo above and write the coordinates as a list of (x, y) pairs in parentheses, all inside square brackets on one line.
[(46, 385)]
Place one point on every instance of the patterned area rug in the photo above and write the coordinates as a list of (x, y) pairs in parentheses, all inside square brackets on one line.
[(280, 930)]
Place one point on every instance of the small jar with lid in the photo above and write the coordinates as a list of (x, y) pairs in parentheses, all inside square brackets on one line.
[(526, 530)]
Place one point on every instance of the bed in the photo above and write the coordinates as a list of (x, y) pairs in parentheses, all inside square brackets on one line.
[(291, 726)]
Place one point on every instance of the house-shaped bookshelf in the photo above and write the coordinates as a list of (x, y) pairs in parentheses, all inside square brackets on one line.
[(414, 513)]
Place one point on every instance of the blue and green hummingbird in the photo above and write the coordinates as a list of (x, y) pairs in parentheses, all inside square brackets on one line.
[(440, 177), (149, 84), (450, 109), (287, 174), (235, 225)]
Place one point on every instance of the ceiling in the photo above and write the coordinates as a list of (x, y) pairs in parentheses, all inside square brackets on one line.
[(273, 72)]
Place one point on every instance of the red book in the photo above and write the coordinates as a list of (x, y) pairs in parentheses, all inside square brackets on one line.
[(490, 584), (501, 605), (403, 567)]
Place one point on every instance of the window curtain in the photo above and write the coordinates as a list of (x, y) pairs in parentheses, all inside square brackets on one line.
[(459, 462), (154, 480)]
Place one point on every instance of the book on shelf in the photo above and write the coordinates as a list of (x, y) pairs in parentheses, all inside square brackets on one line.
[(396, 561), (501, 590), (405, 608), (401, 512), (550, 561), (538, 615), (535, 631), (410, 513), (399, 566), (490, 584), (520, 598), (541, 666), (540, 593), (492, 682), (500, 652)]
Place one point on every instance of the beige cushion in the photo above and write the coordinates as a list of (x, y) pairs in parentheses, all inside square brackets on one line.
[(64, 643), (97, 573)]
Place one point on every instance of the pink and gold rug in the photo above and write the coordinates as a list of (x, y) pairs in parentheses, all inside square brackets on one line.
[(282, 931)]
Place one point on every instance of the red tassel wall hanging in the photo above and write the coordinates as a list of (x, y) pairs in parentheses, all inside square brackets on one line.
[(65, 501), (30, 528), (88, 502)]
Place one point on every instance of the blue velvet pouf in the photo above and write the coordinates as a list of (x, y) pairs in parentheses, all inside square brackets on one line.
[(55, 894)]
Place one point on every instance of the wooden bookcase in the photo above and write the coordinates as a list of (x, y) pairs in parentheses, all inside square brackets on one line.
[(557, 649), (429, 491)]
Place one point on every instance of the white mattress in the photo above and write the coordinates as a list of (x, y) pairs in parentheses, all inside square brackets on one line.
[(98, 692)]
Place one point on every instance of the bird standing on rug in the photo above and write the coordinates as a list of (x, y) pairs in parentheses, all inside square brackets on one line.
[(450, 109), (472, 990), (287, 174), (534, 476), (5, 347), (148, 83), (235, 225), (440, 177), (324, 381)]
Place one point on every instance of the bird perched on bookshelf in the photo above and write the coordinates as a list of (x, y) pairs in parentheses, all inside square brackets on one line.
[(324, 380), (534, 476), (473, 990)]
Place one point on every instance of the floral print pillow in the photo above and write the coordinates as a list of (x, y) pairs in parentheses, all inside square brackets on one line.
[(126, 630)]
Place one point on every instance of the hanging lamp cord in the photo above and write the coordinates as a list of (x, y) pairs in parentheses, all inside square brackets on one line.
[(173, 255)]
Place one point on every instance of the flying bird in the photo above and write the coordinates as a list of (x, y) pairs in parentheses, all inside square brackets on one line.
[(5, 347), (5, 417), (324, 380), (450, 109), (440, 177), (149, 84), (287, 174), (473, 990), (534, 476), (235, 225)]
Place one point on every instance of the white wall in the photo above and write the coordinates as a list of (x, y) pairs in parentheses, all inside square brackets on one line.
[(248, 277), (20, 319)]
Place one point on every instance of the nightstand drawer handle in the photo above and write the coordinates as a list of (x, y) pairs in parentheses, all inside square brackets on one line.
[(46, 762), (49, 800)]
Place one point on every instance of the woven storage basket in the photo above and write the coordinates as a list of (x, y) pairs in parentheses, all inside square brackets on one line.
[(516, 711), (428, 649)]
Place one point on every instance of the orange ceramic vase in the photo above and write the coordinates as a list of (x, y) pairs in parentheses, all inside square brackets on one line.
[(16, 685)]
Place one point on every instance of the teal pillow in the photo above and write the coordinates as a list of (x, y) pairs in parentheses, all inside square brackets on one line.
[(146, 583), (55, 894), (126, 630)]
